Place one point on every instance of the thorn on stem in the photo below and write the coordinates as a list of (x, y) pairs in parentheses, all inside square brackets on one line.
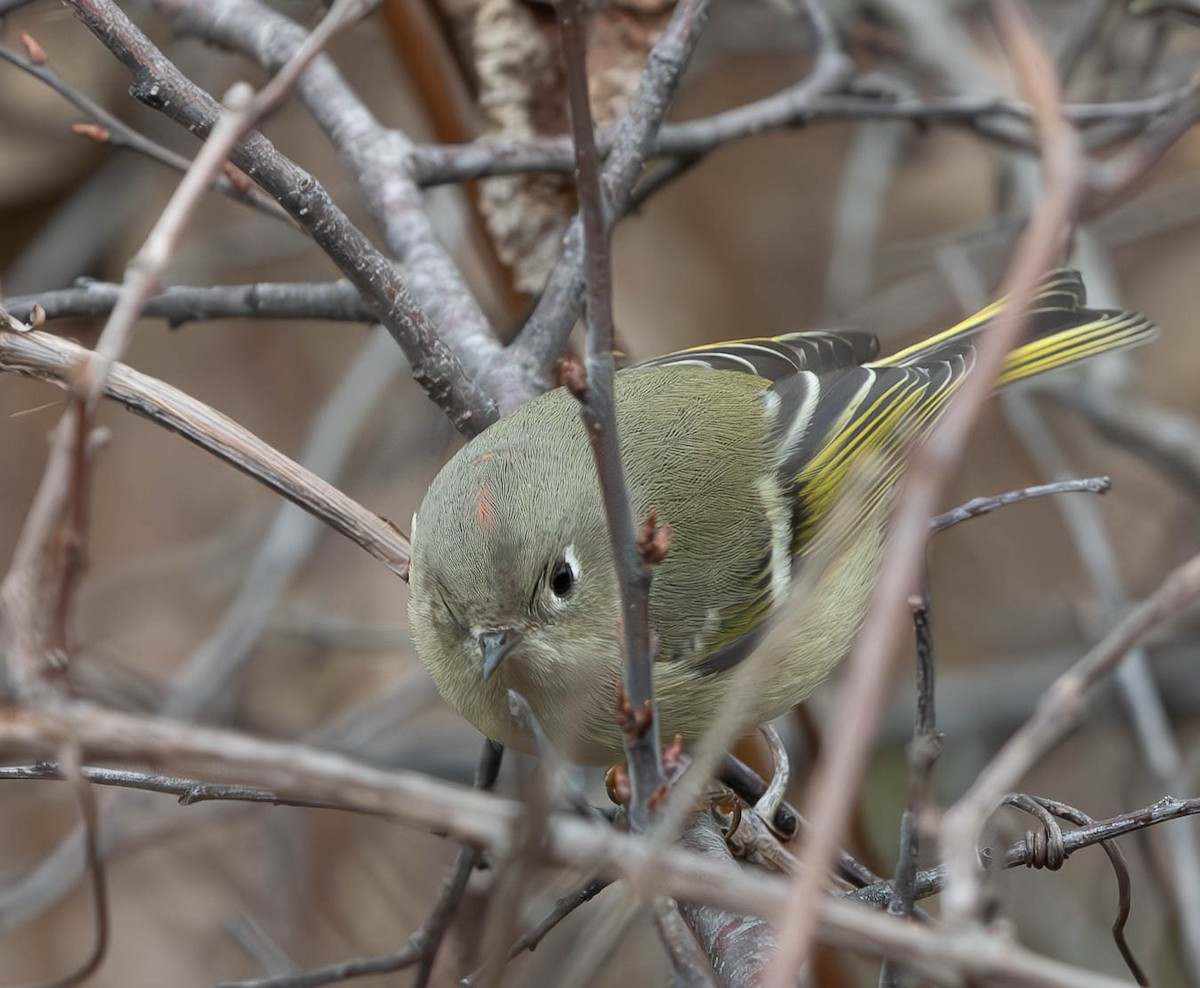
[(657, 797), (672, 755), (94, 131), (35, 52), (633, 722), (654, 540), (572, 376)]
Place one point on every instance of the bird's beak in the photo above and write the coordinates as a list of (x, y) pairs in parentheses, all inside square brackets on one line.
[(495, 645)]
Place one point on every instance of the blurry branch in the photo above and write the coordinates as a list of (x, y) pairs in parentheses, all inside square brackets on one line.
[(1056, 712), (1134, 679), (374, 154), (181, 304), (1164, 438), (861, 695), (423, 944), (109, 129), (1111, 180), (298, 771), (597, 403), (160, 85), (49, 358), (213, 665), (791, 107), (927, 882), (544, 336), (37, 591)]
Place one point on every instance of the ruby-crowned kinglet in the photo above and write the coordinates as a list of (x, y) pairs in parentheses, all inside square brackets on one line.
[(743, 448)]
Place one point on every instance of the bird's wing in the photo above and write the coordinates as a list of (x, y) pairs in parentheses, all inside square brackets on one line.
[(828, 429), (774, 358)]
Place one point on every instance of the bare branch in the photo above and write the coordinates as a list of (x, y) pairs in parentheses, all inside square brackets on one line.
[(861, 695), (598, 408), (791, 107), (49, 358), (985, 505), (110, 129), (375, 154), (159, 84), (337, 301), (543, 338)]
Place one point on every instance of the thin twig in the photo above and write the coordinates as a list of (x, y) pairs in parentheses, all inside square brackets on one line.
[(923, 752), (1124, 886), (597, 403), (159, 84), (543, 338), (791, 107), (860, 698), (931, 881), (422, 947), (112, 130), (985, 505), (50, 358)]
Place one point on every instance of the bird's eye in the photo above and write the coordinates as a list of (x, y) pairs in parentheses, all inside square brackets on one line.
[(563, 580)]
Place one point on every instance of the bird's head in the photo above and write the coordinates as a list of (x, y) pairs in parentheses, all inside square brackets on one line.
[(512, 579)]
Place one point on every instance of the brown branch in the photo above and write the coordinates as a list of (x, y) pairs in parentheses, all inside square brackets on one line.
[(299, 771), (791, 107), (114, 131), (543, 338), (861, 695), (597, 405), (49, 358), (1056, 713), (160, 85), (376, 156)]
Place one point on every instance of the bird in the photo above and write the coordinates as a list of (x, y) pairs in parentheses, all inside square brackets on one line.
[(774, 460)]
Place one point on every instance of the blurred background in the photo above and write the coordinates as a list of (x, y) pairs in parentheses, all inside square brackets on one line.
[(888, 226)]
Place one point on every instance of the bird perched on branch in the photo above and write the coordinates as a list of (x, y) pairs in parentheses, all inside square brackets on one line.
[(774, 461)]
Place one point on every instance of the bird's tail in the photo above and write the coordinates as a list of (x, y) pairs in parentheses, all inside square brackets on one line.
[(1062, 331)]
